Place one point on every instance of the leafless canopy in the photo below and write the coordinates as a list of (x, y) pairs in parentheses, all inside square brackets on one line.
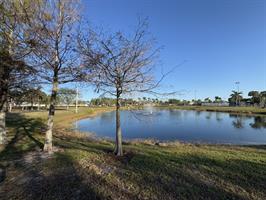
[(51, 37), (121, 64)]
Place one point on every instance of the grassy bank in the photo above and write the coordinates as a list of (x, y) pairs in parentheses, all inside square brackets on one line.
[(241, 110), (82, 168)]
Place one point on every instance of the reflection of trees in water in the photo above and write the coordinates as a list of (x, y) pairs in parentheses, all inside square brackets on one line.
[(198, 113), (238, 123), (259, 122), (238, 120), (107, 117), (173, 113), (146, 116), (209, 115), (218, 116)]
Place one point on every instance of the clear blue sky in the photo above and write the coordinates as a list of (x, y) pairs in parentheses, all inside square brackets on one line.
[(224, 41)]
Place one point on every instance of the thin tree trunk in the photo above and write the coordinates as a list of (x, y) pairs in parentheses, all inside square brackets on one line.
[(31, 105), (48, 146), (2, 127), (10, 106), (77, 101), (118, 144), (38, 108), (3, 101)]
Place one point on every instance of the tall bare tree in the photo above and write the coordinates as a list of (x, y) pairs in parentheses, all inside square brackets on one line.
[(121, 65), (53, 46)]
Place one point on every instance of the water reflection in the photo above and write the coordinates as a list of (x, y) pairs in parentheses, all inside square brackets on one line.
[(208, 115), (198, 113), (219, 116), (259, 122), (185, 125)]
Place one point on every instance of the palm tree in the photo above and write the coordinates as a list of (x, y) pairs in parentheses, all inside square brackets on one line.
[(235, 97)]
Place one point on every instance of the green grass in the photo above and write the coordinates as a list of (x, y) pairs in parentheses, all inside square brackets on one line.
[(87, 169)]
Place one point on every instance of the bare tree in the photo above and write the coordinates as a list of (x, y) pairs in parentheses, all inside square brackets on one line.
[(67, 96), (121, 65), (53, 49)]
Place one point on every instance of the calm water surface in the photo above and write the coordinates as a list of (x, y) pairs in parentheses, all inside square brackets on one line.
[(183, 125)]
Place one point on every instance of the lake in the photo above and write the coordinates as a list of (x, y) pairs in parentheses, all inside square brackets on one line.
[(182, 125)]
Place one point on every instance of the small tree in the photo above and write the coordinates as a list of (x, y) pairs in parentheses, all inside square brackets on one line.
[(122, 65), (217, 99), (207, 100), (255, 97), (67, 96), (263, 99)]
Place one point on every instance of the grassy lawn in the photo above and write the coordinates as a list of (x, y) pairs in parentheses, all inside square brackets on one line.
[(82, 168), (246, 110)]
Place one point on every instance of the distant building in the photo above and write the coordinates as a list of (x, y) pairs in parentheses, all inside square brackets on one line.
[(223, 103)]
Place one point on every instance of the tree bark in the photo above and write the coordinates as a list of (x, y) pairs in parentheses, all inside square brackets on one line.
[(31, 107), (48, 146), (38, 108), (10, 105), (77, 101), (118, 144), (2, 127), (3, 101)]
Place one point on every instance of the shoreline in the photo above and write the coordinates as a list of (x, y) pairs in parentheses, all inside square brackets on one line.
[(230, 110)]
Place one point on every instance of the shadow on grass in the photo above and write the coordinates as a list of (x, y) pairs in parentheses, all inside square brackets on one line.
[(30, 176), (54, 179), (21, 139), (23, 133), (160, 175), (192, 176)]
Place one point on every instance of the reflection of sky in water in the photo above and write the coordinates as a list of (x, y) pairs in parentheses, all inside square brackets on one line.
[(192, 126)]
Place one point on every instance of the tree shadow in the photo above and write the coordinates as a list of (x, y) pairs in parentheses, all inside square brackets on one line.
[(26, 126), (21, 134), (194, 176), (36, 182)]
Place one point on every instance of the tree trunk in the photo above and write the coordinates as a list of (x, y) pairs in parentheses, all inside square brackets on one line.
[(4, 80), (3, 101), (10, 106), (48, 146), (118, 144), (2, 127), (67, 107), (77, 101), (31, 108), (38, 108)]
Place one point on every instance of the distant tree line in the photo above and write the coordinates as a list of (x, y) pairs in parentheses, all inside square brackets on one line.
[(257, 98)]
